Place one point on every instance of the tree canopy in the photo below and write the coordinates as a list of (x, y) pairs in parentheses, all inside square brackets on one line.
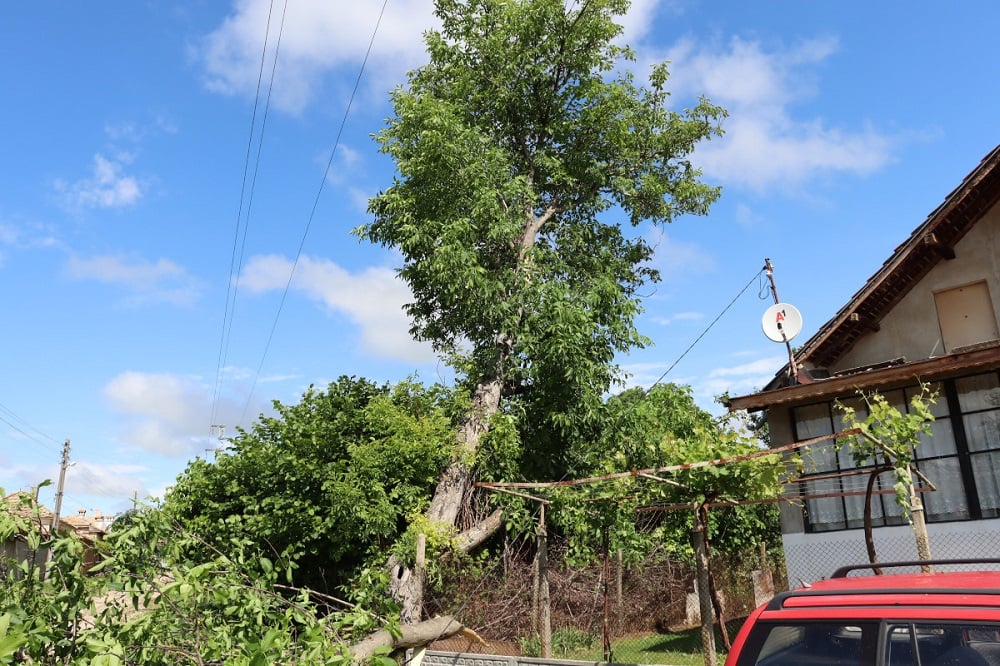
[(329, 482), (523, 130), (664, 429)]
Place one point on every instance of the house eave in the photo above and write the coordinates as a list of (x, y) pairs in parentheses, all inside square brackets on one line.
[(930, 243), (981, 358)]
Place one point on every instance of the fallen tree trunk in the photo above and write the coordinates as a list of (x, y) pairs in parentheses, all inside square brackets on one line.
[(413, 635), (480, 532)]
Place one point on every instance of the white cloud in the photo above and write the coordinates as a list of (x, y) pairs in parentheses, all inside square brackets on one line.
[(27, 236), (317, 37), (678, 316), (639, 19), (165, 413), (373, 299), (107, 187), (105, 479), (765, 144), (170, 414), (161, 282), (673, 257), (359, 199), (740, 379), (346, 162)]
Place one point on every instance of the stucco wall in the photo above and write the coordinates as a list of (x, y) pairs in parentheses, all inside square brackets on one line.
[(812, 557), (911, 329)]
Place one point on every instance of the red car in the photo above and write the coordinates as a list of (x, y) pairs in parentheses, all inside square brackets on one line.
[(945, 618)]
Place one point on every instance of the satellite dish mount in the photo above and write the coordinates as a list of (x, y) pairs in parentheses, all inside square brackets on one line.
[(782, 322)]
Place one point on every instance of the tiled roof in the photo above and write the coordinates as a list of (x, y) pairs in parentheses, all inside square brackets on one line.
[(931, 242)]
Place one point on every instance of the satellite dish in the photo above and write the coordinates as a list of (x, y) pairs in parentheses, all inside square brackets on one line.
[(781, 322)]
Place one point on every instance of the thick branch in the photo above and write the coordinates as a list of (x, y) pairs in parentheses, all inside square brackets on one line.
[(412, 635), (531, 232), (475, 535)]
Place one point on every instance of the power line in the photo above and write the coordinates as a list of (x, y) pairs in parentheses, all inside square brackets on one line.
[(312, 212), (243, 221), (707, 329), (40, 437)]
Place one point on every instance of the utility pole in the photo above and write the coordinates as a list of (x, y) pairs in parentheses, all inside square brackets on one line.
[(788, 345), (59, 488)]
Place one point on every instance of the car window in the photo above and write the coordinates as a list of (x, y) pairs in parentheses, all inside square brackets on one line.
[(953, 644), (820, 643)]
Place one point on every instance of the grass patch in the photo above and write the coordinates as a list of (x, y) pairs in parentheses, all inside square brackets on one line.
[(680, 648)]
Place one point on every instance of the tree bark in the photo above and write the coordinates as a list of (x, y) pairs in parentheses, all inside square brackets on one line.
[(869, 532), (717, 600), (704, 593), (412, 635), (544, 604), (446, 503), (477, 534)]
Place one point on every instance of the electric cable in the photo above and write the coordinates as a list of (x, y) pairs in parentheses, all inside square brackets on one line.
[(703, 333), (312, 212), (27, 425), (243, 222)]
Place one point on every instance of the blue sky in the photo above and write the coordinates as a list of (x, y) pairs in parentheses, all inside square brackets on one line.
[(126, 130)]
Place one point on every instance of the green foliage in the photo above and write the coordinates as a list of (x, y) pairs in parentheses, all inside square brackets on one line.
[(664, 428), (234, 609), (523, 131), (328, 483), (43, 591), (888, 436)]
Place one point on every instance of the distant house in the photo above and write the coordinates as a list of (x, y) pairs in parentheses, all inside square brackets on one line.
[(928, 315), (88, 528)]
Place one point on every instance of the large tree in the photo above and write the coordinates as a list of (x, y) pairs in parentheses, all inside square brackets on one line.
[(525, 150)]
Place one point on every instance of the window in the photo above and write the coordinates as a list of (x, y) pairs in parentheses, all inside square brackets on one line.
[(966, 315), (819, 643), (961, 457), (959, 644), (979, 401)]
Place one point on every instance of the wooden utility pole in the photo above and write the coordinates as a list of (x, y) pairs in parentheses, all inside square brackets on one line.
[(54, 527), (788, 345)]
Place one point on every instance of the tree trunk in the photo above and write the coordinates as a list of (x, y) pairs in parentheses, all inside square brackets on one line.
[(412, 635), (406, 588), (704, 594), (920, 530), (869, 534), (717, 600), (544, 612), (480, 532)]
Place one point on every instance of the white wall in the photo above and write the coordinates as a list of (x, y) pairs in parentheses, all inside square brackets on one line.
[(812, 557), (911, 328)]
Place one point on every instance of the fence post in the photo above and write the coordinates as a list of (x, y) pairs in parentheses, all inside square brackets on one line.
[(544, 610), (704, 592), (920, 529)]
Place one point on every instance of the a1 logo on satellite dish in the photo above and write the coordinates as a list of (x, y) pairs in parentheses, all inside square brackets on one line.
[(781, 322)]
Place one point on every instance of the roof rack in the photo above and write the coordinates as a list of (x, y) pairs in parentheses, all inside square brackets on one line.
[(843, 571)]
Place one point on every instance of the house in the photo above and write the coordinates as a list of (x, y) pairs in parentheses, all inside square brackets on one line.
[(928, 315), (89, 528)]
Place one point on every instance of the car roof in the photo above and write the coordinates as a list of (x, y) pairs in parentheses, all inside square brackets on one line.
[(979, 588), (964, 580)]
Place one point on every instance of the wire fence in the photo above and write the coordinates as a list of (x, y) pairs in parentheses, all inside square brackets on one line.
[(818, 556), (640, 613), (648, 612)]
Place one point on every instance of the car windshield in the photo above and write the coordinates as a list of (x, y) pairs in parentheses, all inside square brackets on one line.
[(890, 642)]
